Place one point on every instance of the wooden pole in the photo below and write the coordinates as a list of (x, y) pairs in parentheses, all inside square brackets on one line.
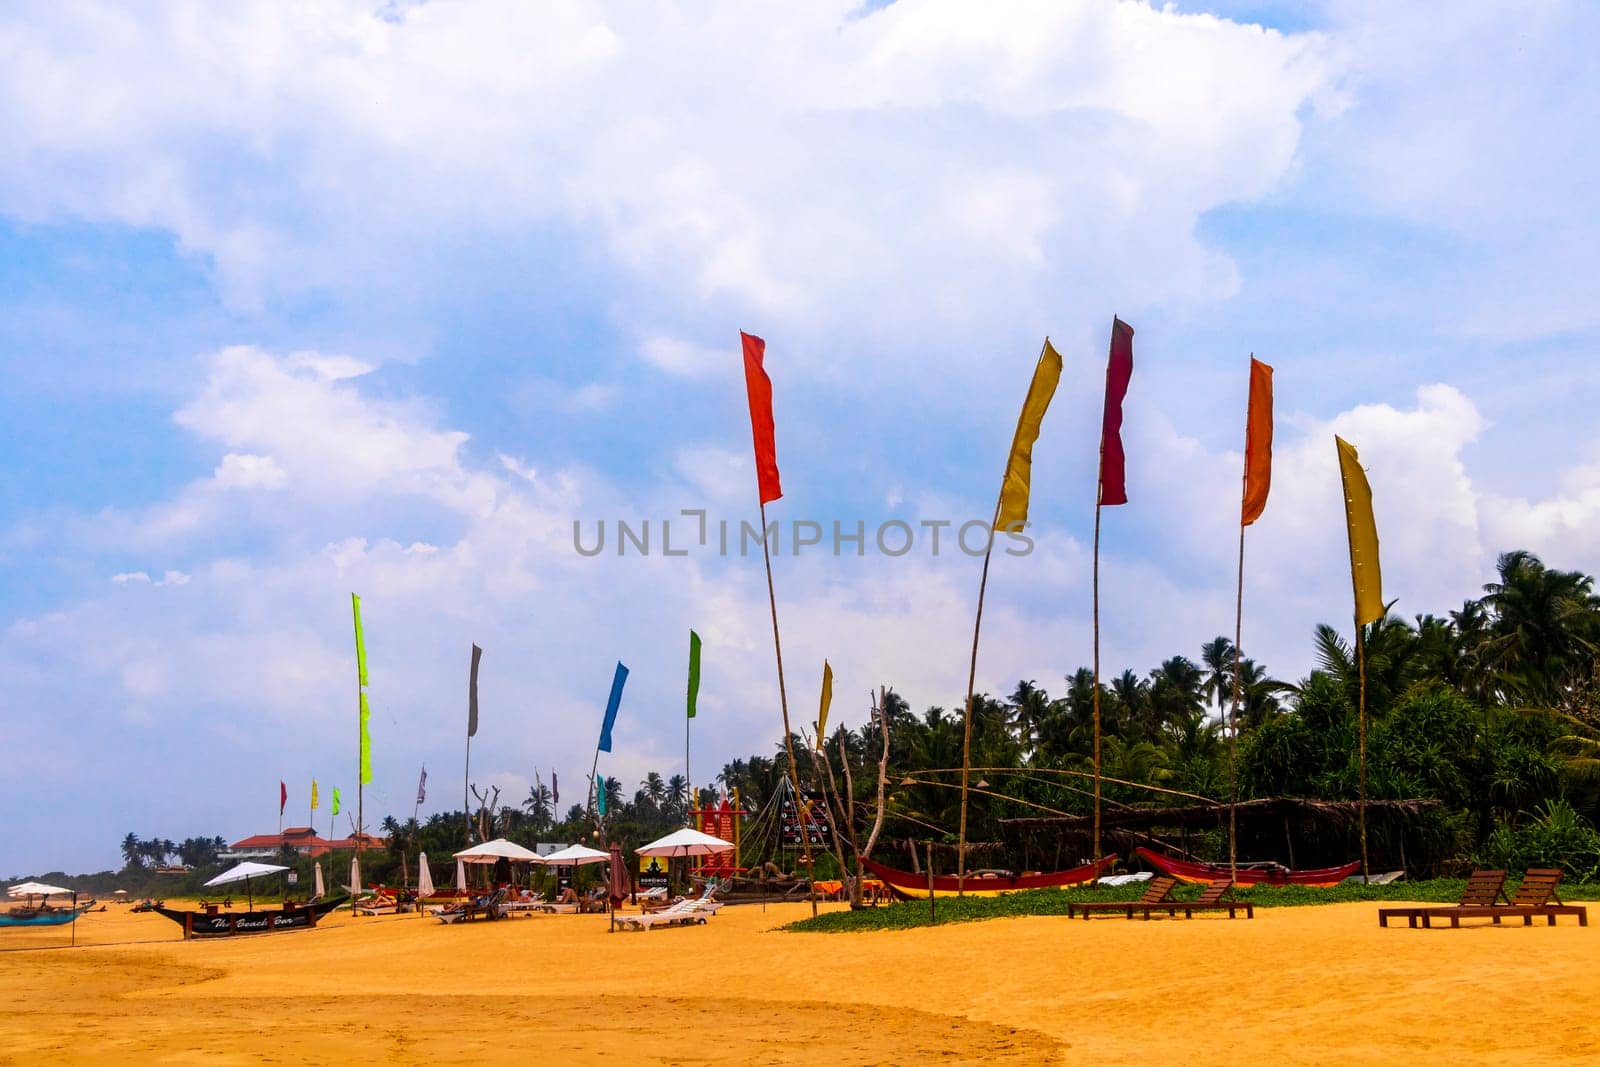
[(466, 778), (788, 736), (966, 731), (1361, 715), (1233, 721), (1096, 696)]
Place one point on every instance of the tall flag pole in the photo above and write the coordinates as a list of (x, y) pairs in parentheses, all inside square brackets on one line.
[(758, 388), (1010, 513), (364, 770), (693, 698), (1366, 582), (613, 702), (1113, 490), (1253, 501), (472, 729)]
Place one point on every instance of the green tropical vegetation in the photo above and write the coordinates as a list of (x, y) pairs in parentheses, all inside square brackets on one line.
[(1488, 716)]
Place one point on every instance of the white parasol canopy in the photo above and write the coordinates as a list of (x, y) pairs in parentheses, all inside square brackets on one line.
[(317, 885), (686, 842), (498, 849), (355, 875), (38, 889), (424, 876), (575, 855), (461, 876), (245, 870)]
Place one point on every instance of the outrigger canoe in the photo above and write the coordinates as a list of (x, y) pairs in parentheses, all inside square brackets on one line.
[(265, 921), (31, 917), (911, 886), (1252, 874)]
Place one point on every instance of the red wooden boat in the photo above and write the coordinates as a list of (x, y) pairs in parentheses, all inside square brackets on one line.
[(981, 884), (1249, 874)]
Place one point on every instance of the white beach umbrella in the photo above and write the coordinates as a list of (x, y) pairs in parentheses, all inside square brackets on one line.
[(355, 875), (424, 876), (499, 849), (243, 872), (317, 884), (686, 842), (37, 889), (575, 855)]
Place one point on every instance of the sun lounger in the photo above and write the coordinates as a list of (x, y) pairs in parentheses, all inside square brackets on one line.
[(1214, 899), (1158, 892), (486, 907), (524, 906), (681, 913), (1483, 889), (1535, 897)]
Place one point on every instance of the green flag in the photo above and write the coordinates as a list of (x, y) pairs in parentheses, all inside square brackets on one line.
[(361, 644), (366, 742), (694, 670), (335, 802)]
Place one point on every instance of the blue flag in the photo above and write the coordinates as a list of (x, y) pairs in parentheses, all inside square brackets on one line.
[(611, 707)]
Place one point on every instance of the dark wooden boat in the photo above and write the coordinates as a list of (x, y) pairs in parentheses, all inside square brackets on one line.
[(1249, 874), (264, 921), (982, 884)]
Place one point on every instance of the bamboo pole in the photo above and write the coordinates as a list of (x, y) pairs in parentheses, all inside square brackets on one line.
[(1096, 695), (788, 736), (1361, 715), (972, 676), (466, 780), (1233, 720)]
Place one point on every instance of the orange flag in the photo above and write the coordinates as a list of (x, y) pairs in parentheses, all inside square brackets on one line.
[(1257, 443)]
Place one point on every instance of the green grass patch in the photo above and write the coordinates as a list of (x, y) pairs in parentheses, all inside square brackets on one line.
[(906, 915)]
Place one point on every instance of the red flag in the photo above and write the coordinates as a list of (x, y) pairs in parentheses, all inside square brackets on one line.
[(1257, 443), (283, 797), (759, 386), (1119, 369)]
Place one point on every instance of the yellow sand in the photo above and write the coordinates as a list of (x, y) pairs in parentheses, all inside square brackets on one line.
[(1303, 985)]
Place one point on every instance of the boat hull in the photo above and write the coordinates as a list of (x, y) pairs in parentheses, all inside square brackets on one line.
[(909, 886), (237, 923), (1205, 873), (59, 918)]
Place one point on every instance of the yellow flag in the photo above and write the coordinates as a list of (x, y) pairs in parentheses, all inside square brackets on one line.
[(1019, 468), (827, 699), (313, 794), (1365, 574)]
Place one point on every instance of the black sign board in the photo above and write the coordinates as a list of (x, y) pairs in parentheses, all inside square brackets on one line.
[(652, 872), (818, 826)]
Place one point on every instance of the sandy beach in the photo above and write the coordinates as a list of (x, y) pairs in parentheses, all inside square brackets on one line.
[(1303, 985)]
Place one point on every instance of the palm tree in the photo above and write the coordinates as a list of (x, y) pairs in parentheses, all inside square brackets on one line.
[(655, 789), (1217, 656), (1544, 630), (133, 851)]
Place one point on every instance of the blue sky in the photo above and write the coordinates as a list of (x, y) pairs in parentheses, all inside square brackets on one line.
[(296, 301)]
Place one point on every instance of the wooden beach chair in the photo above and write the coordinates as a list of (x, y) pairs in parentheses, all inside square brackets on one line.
[(1215, 899), (1535, 896), (1158, 892), (1483, 889)]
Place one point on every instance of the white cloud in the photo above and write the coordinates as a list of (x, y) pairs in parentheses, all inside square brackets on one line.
[(244, 471), (901, 169)]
